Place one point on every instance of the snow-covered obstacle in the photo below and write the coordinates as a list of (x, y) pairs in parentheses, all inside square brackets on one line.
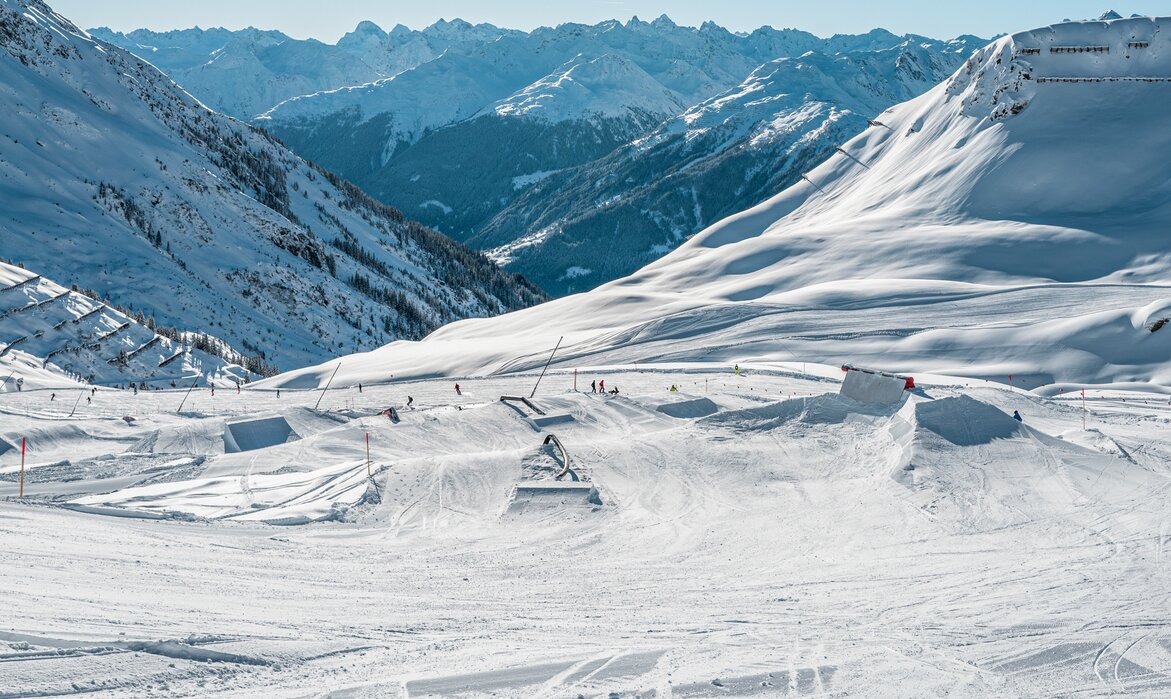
[(259, 433), (688, 407), (545, 495), (538, 418), (277, 498), (973, 468), (540, 422), (873, 387)]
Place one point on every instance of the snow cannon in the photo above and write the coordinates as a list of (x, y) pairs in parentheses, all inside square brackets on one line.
[(874, 387)]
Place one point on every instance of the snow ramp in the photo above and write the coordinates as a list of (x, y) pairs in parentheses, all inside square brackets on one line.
[(258, 433), (276, 498), (973, 468)]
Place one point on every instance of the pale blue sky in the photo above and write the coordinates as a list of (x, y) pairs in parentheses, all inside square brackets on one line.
[(328, 20)]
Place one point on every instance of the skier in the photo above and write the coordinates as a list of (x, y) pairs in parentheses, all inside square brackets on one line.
[(594, 386), (737, 370), (602, 386), (615, 391), (359, 388), (674, 389), (135, 387), (52, 397), (410, 401), (457, 391), (88, 400), (278, 393), (93, 391), (1017, 416)]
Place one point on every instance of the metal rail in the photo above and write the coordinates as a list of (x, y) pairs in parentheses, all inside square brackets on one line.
[(564, 454), (521, 399)]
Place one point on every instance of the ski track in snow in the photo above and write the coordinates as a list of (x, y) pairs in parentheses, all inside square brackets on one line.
[(778, 547)]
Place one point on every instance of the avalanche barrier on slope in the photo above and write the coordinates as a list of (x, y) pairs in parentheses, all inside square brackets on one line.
[(259, 433)]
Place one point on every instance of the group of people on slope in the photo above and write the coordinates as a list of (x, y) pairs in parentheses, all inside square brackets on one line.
[(600, 387)]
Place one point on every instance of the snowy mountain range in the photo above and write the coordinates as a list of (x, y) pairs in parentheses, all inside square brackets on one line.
[(116, 179), (243, 73), (1010, 222), (606, 218), (557, 147)]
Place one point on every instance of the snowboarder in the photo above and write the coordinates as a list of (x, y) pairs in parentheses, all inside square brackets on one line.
[(93, 391), (1017, 416), (737, 368), (88, 400), (674, 389), (594, 386), (457, 391), (602, 386), (410, 401), (615, 391)]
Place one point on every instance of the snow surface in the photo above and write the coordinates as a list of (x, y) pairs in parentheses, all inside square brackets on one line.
[(52, 337), (997, 225), (789, 543), (607, 86)]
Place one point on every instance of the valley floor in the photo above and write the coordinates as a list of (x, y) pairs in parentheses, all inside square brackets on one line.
[(757, 536)]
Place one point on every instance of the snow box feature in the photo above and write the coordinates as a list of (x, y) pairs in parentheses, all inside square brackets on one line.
[(247, 435), (871, 387), (689, 408), (533, 496)]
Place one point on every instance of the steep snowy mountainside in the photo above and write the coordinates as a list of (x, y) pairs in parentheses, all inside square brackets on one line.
[(1012, 220), (580, 227), (460, 176), (53, 335), (118, 180), (603, 86)]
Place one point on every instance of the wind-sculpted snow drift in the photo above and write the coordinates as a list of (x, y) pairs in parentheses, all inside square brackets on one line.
[(1002, 223)]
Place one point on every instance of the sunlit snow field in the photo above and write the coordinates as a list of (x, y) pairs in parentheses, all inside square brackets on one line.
[(774, 540)]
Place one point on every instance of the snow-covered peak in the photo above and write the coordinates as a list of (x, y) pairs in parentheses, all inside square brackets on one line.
[(1109, 14), (605, 86), (1012, 219)]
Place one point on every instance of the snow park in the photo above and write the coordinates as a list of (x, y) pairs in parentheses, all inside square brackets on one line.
[(858, 383)]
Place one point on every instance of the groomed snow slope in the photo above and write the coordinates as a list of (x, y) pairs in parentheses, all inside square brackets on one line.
[(1003, 223), (789, 543)]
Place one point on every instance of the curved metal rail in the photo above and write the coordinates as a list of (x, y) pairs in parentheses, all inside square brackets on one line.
[(564, 454)]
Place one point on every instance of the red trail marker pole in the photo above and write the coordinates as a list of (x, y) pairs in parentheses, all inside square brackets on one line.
[(22, 468), (368, 454)]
